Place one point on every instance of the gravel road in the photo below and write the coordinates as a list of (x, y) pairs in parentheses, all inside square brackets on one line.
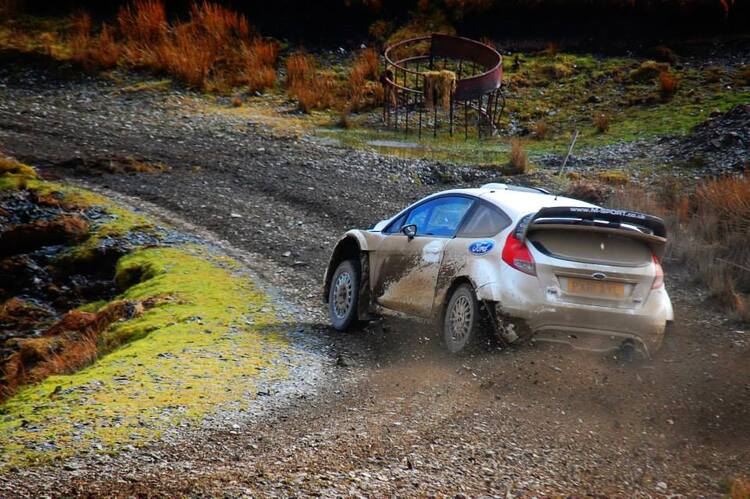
[(399, 417)]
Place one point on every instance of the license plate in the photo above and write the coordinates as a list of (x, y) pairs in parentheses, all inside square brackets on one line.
[(596, 288)]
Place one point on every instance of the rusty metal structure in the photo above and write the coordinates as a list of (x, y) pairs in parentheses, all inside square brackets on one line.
[(476, 102)]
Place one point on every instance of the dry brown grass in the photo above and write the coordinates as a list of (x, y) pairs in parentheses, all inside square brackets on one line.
[(541, 130), (67, 346), (260, 70), (648, 71), (601, 122), (518, 162), (214, 49), (740, 489), (143, 24), (709, 229), (588, 190), (312, 89), (713, 74), (668, 84), (363, 87), (743, 76), (300, 69)]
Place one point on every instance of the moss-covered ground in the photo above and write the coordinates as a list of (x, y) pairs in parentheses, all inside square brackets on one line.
[(207, 336)]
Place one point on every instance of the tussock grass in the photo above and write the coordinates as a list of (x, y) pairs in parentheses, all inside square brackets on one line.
[(709, 230), (601, 122), (668, 84), (214, 49), (541, 130), (312, 89), (364, 88), (518, 162)]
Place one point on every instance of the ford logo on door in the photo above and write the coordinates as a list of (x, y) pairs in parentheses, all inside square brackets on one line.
[(481, 247)]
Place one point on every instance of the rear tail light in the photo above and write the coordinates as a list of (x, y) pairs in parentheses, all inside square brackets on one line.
[(517, 255), (659, 279)]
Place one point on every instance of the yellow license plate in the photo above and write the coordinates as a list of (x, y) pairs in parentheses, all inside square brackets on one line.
[(596, 288)]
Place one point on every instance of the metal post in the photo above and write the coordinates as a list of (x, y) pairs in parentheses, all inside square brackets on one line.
[(466, 120), (406, 127), (450, 130)]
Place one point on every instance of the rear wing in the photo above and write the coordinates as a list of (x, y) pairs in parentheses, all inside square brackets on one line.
[(647, 228)]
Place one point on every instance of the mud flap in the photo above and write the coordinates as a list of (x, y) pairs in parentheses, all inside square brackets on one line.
[(363, 304), (506, 330)]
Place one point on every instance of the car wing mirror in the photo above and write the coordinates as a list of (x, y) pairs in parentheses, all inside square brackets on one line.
[(409, 230)]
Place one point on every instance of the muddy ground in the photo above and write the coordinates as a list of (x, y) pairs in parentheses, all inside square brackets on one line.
[(398, 417)]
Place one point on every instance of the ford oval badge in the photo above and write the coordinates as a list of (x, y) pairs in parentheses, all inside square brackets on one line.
[(481, 247)]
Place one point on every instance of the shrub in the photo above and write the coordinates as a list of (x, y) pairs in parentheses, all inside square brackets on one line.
[(668, 84), (601, 122), (613, 177), (713, 74), (587, 190), (648, 71), (518, 161), (541, 130), (662, 53)]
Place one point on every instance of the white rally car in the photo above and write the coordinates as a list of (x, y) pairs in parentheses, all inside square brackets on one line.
[(530, 263)]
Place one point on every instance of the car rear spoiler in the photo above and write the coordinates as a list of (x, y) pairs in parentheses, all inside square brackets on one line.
[(647, 228)]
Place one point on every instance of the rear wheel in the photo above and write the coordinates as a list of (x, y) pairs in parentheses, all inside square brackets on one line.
[(343, 295), (461, 321)]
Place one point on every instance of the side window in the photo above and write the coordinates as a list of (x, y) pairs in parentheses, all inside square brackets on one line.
[(486, 221), (396, 225), (439, 217)]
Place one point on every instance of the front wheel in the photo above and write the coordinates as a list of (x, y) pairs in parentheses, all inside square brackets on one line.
[(343, 296), (461, 320)]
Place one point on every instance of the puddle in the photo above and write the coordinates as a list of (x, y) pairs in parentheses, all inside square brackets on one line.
[(395, 144)]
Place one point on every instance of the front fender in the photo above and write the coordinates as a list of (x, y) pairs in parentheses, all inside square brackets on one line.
[(349, 246)]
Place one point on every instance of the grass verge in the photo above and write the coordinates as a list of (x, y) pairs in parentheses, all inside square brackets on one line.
[(200, 339)]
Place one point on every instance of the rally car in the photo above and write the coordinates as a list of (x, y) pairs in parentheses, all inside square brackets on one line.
[(518, 261)]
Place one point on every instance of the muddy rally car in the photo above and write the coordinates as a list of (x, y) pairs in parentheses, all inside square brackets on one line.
[(516, 261)]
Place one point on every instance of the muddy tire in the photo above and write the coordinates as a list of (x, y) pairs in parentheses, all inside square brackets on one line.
[(343, 296), (461, 322)]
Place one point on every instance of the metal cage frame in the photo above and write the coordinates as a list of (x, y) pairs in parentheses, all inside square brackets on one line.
[(478, 84)]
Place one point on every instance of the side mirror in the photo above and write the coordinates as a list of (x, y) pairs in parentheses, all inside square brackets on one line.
[(409, 230)]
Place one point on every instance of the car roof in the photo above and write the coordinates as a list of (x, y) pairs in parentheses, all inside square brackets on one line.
[(517, 201)]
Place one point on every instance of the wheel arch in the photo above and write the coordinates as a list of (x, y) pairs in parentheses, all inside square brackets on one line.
[(352, 246), (455, 283)]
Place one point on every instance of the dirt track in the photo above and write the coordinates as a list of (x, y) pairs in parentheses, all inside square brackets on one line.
[(404, 418)]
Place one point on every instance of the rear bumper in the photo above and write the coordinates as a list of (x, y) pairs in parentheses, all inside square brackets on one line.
[(588, 327)]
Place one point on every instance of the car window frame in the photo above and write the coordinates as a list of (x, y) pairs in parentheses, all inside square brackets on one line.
[(473, 210), (406, 212)]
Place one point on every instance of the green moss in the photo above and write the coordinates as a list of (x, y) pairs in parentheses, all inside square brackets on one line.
[(172, 365), (201, 343), (119, 224)]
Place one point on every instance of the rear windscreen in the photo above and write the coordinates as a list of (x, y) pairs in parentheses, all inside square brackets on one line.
[(593, 247)]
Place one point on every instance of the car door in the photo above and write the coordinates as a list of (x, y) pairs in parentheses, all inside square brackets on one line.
[(407, 268)]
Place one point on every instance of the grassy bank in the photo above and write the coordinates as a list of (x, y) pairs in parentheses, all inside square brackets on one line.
[(187, 334)]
